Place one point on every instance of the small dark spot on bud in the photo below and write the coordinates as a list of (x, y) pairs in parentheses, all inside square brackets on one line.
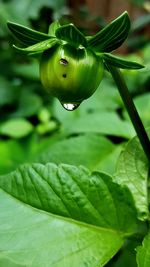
[(64, 75), (63, 61)]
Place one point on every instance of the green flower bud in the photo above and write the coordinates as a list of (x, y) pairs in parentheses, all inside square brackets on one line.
[(70, 74), (71, 66), (71, 69)]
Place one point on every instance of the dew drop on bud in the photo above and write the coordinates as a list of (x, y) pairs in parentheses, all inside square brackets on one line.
[(70, 106)]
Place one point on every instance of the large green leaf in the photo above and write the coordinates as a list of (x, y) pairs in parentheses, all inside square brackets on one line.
[(112, 36), (143, 253), (25, 35), (75, 193), (85, 223), (120, 62), (71, 34), (30, 237), (132, 171)]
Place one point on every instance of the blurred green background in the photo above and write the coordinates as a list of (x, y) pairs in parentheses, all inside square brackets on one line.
[(33, 126)]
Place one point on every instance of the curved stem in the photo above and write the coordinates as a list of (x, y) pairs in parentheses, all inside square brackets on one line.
[(129, 104)]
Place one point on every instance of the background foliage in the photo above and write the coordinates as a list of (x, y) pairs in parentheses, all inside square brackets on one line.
[(34, 129)]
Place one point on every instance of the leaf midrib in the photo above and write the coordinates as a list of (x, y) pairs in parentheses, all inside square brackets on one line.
[(72, 221)]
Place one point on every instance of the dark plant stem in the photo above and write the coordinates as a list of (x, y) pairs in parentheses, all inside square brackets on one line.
[(129, 104)]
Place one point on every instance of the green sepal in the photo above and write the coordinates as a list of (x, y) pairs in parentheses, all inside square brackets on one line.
[(53, 27), (39, 47), (112, 36), (72, 35), (25, 35), (120, 62)]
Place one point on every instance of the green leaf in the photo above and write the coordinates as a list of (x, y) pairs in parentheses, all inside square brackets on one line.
[(104, 122), (71, 34), (53, 27), (143, 253), (112, 36), (96, 152), (126, 256), (25, 35), (120, 62), (109, 162), (142, 102), (16, 128), (132, 171), (75, 193), (86, 223), (30, 237), (39, 47), (15, 152), (29, 105)]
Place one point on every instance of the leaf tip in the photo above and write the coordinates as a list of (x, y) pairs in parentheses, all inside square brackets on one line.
[(9, 23), (125, 14)]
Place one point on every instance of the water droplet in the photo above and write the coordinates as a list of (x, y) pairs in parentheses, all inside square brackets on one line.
[(70, 106)]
